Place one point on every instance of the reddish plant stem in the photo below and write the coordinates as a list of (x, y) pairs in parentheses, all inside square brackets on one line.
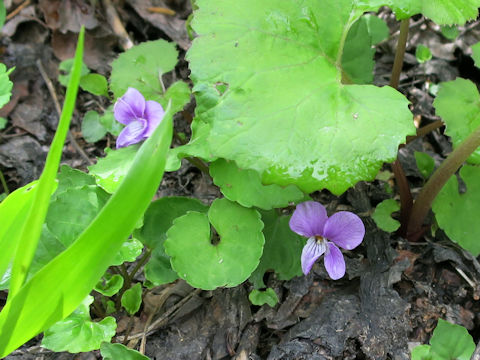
[(406, 199), (450, 165), (400, 53)]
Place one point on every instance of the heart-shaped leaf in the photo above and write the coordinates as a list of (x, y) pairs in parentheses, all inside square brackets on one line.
[(326, 134), (457, 213), (458, 103), (258, 297), (109, 284), (451, 341), (383, 215), (206, 262), (77, 333)]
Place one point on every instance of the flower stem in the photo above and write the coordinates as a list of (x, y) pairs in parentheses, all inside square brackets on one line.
[(399, 54), (433, 186)]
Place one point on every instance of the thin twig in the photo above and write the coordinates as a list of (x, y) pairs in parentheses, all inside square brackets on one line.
[(116, 25), (4, 183), (160, 321), (424, 130), (53, 94), (17, 10), (161, 10)]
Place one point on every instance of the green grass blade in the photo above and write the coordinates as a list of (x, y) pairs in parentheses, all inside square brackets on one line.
[(32, 227), (13, 211), (60, 286)]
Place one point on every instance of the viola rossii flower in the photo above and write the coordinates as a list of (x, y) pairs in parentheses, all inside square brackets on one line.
[(325, 234), (140, 117)]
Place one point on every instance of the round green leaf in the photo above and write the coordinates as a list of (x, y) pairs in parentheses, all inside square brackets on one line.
[(246, 188), (130, 250), (208, 263), (259, 297), (281, 252), (451, 341), (5, 85), (111, 351), (457, 213), (132, 299), (383, 215), (109, 284), (423, 54), (476, 54), (458, 104), (425, 163), (141, 67), (449, 31), (95, 84), (285, 112), (158, 270), (65, 68), (77, 333), (92, 128), (110, 170)]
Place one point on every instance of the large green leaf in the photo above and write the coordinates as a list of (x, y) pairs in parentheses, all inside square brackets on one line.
[(207, 263), (267, 78), (245, 187), (60, 286), (457, 213), (78, 333), (458, 103), (451, 341)]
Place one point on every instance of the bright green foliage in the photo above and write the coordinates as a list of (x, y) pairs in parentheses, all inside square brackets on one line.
[(142, 67), (449, 341), (262, 66), (129, 251), (377, 28), (5, 85), (60, 287), (157, 220), (260, 297), (423, 54), (476, 54), (78, 333), (92, 129), (421, 352), (425, 163), (449, 31), (65, 69), (357, 57), (69, 178), (3, 123), (458, 104), (179, 94), (112, 169), (111, 351), (246, 188), (31, 228), (443, 12), (281, 252), (95, 84), (132, 298), (109, 123), (109, 284), (13, 210), (457, 213), (205, 261), (383, 215)]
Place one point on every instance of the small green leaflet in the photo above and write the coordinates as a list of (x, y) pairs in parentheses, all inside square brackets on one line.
[(5, 85), (383, 215), (259, 297), (109, 284), (111, 351), (132, 298), (423, 54)]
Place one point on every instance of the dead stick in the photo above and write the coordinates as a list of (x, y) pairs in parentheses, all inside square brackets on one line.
[(53, 94), (116, 25), (17, 10)]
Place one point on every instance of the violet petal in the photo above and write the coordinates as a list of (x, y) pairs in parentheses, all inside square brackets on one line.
[(154, 114), (132, 133), (310, 253), (308, 219), (334, 262), (129, 107), (344, 229)]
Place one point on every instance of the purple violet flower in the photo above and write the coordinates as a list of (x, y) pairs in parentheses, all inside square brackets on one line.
[(344, 229), (140, 117)]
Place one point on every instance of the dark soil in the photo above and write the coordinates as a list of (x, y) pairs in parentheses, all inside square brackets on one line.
[(394, 291)]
